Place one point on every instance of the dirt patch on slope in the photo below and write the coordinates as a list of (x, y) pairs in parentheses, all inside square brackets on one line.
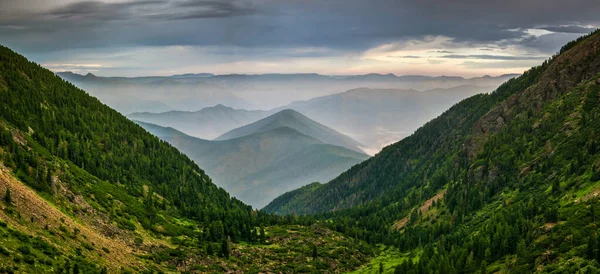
[(423, 209), (44, 215)]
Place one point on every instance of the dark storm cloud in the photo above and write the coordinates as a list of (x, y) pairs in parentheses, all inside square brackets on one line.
[(347, 25), (148, 9), (42, 28), (94, 10)]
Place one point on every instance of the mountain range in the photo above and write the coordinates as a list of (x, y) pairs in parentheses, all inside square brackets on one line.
[(379, 117), (192, 92), (262, 160), (207, 123), (374, 117)]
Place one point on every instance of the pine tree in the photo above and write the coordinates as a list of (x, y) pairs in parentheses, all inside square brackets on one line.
[(209, 249), (555, 187), (225, 249), (262, 234), (7, 196), (591, 246), (521, 248), (483, 267)]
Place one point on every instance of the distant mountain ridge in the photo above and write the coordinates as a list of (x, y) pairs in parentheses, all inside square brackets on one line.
[(372, 117), (207, 123), (70, 74), (378, 117), (190, 92), (287, 152), (295, 120)]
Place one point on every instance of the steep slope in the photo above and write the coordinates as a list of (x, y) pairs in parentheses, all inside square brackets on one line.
[(85, 190), (520, 171), (258, 167), (379, 117), (56, 125), (207, 123), (294, 120)]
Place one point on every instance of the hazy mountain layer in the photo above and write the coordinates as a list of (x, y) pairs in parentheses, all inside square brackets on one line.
[(141, 94), (259, 166), (379, 117), (192, 92), (374, 117), (207, 123), (293, 119)]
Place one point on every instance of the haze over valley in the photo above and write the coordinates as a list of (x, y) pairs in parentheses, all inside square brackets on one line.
[(375, 109), (260, 161)]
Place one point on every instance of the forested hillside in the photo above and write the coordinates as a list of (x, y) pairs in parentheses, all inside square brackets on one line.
[(85, 190), (500, 182), (66, 122)]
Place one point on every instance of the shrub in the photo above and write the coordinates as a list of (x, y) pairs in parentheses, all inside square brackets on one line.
[(4, 251), (29, 259), (25, 250)]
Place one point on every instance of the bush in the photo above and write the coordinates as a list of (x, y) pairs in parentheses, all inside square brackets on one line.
[(4, 251), (125, 224), (87, 246), (25, 250), (29, 259)]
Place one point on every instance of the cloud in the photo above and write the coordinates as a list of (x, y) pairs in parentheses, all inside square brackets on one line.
[(405, 56), (148, 9), (568, 29), (493, 57), (510, 64), (271, 29), (441, 51)]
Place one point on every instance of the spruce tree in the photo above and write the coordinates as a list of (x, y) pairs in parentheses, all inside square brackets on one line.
[(225, 249), (7, 196)]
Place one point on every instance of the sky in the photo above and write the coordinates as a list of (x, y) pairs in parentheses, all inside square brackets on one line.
[(337, 37)]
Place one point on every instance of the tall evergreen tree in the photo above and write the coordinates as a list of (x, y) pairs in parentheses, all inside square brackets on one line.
[(7, 196)]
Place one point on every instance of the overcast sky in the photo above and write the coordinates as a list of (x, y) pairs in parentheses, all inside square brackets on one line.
[(164, 37)]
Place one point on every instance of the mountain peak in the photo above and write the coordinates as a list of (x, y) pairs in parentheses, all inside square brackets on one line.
[(294, 120), (288, 111), (220, 106)]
